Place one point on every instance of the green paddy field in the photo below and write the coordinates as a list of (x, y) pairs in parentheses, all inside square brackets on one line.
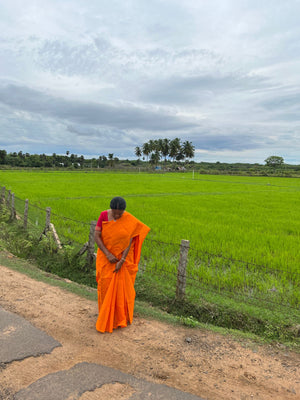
[(229, 220)]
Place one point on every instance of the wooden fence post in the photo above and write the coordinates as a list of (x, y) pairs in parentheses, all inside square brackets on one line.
[(48, 215), (2, 199), (91, 244), (13, 210), (181, 272), (9, 198), (26, 214)]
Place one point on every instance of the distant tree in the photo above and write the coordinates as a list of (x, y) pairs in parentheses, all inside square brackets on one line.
[(48, 162), (138, 152), (180, 155), (164, 147), (53, 159), (36, 160), (155, 158), (152, 145), (21, 155), (102, 161), (175, 148), (3, 155), (111, 159), (81, 161), (188, 149), (146, 150), (274, 161)]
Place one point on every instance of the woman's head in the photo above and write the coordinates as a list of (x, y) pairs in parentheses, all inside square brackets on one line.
[(117, 205)]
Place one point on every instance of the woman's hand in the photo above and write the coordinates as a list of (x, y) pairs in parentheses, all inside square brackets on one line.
[(98, 239), (111, 258), (118, 265)]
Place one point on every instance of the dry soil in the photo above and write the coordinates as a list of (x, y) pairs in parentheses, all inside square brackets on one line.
[(198, 361)]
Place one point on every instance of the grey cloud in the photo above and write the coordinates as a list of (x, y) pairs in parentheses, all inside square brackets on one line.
[(283, 107), (283, 101), (122, 117), (104, 140), (132, 54), (189, 89), (102, 134), (233, 142), (287, 116)]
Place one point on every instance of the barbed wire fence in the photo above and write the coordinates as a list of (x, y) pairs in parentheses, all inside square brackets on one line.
[(178, 270)]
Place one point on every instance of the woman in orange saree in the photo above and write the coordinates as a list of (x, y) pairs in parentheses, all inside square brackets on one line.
[(119, 236)]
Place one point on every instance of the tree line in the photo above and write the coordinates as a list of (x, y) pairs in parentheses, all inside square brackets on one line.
[(175, 150), (168, 154), (68, 160), (153, 150), (21, 159)]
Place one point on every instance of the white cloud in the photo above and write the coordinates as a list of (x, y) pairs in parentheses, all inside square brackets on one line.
[(221, 74)]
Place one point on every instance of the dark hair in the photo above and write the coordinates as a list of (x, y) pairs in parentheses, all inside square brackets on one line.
[(118, 203)]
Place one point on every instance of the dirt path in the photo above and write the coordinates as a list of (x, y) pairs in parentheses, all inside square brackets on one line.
[(192, 360)]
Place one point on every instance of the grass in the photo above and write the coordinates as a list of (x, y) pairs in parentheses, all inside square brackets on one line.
[(243, 231), (254, 219)]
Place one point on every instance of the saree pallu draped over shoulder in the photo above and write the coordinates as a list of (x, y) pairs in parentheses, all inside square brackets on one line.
[(116, 293)]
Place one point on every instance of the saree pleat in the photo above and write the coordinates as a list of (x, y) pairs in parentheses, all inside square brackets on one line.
[(116, 293)]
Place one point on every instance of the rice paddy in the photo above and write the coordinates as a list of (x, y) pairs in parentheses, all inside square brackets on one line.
[(243, 231)]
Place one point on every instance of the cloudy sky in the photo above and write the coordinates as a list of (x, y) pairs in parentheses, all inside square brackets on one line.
[(97, 77)]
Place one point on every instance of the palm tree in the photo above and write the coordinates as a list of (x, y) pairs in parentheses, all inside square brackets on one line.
[(152, 145), (180, 155), (175, 147), (155, 157), (138, 152), (165, 147), (146, 150), (111, 159), (188, 149)]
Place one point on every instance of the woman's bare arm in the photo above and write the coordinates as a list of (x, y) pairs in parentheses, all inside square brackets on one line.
[(123, 258), (98, 239)]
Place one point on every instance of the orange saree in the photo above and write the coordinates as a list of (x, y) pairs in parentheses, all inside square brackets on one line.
[(116, 292)]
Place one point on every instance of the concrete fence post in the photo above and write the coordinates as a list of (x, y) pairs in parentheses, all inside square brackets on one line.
[(181, 272), (55, 236)]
